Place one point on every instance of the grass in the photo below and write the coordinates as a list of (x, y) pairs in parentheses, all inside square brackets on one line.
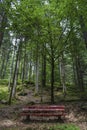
[(47, 127), (65, 127)]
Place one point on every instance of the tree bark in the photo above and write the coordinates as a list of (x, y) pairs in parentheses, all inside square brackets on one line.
[(44, 67), (30, 69), (15, 76), (2, 65), (79, 74), (37, 69), (5, 66), (43, 74), (37, 76), (11, 70), (52, 80), (2, 27), (62, 74), (24, 65), (84, 29)]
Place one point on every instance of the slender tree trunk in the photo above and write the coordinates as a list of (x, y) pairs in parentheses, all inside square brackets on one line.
[(5, 66), (30, 70), (26, 69), (15, 79), (44, 66), (43, 74), (74, 73), (62, 74), (33, 73), (15, 76), (2, 27), (24, 65), (37, 69), (79, 74), (37, 75), (11, 70), (1, 38), (2, 66), (42, 80), (21, 70), (84, 29), (52, 80), (59, 73)]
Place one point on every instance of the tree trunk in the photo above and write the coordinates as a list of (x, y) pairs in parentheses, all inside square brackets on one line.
[(44, 67), (2, 65), (37, 75), (43, 74), (52, 80), (37, 69), (2, 27), (30, 70), (5, 66), (75, 80), (11, 71), (1, 38), (15, 79), (84, 29), (62, 74), (15, 76), (24, 65), (79, 74)]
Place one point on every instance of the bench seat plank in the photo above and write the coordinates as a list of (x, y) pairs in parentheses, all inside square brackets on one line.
[(44, 110), (46, 107), (43, 114)]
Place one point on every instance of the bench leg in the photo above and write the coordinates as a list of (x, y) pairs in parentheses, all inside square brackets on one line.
[(28, 117), (59, 117)]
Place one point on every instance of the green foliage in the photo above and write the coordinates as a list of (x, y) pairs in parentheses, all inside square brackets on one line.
[(19, 88), (4, 92), (51, 27), (3, 81), (19, 82), (75, 93), (65, 127)]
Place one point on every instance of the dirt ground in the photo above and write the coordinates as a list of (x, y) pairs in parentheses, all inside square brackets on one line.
[(10, 118)]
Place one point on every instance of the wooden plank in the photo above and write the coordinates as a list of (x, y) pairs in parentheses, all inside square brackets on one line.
[(40, 109), (48, 107), (42, 114)]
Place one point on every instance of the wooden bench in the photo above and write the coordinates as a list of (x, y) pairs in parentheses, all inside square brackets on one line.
[(43, 111)]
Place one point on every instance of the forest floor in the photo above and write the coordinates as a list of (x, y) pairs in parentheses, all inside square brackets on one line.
[(10, 119)]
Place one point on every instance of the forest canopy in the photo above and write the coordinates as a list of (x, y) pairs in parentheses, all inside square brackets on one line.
[(44, 42)]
